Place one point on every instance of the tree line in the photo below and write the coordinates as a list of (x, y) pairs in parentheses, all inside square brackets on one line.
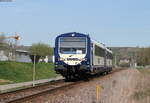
[(143, 58)]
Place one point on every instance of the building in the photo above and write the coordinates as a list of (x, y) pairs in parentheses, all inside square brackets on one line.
[(3, 57), (23, 56), (124, 61)]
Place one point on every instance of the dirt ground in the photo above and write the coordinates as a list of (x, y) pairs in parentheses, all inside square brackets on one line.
[(116, 88), (5, 81)]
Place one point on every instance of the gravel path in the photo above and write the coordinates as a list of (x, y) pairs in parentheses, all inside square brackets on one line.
[(8, 87), (116, 88)]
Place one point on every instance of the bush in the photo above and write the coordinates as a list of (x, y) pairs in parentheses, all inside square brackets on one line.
[(40, 50), (124, 65)]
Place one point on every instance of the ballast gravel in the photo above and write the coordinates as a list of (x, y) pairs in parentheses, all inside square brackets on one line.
[(115, 88)]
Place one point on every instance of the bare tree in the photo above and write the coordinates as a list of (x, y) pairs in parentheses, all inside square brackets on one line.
[(2, 42)]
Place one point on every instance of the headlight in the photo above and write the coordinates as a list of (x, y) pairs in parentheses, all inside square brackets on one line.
[(83, 59), (62, 59), (88, 63)]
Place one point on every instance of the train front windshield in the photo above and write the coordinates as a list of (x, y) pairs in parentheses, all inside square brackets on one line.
[(72, 45)]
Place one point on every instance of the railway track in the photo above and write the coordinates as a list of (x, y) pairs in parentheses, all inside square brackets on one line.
[(13, 95), (23, 95)]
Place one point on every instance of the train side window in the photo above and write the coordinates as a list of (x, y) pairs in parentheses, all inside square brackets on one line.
[(99, 51), (109, 55)]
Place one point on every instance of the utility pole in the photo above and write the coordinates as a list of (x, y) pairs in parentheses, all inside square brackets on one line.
[(34, 70), (16, 37), (115, 61)]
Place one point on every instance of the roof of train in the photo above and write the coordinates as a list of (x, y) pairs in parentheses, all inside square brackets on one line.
[(109, 50), (101, 45), (72, 34)]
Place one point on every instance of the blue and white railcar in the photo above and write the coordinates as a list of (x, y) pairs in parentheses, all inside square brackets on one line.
[(76, 53)]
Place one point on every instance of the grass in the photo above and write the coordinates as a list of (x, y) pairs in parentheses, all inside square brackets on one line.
[(21, 72), (145, 71), (142, 94), (143, 87)]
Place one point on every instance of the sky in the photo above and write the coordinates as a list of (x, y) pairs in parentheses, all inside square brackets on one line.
[(116, 23)]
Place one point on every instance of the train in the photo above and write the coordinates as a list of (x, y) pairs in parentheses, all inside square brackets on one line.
[(77, 55)]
